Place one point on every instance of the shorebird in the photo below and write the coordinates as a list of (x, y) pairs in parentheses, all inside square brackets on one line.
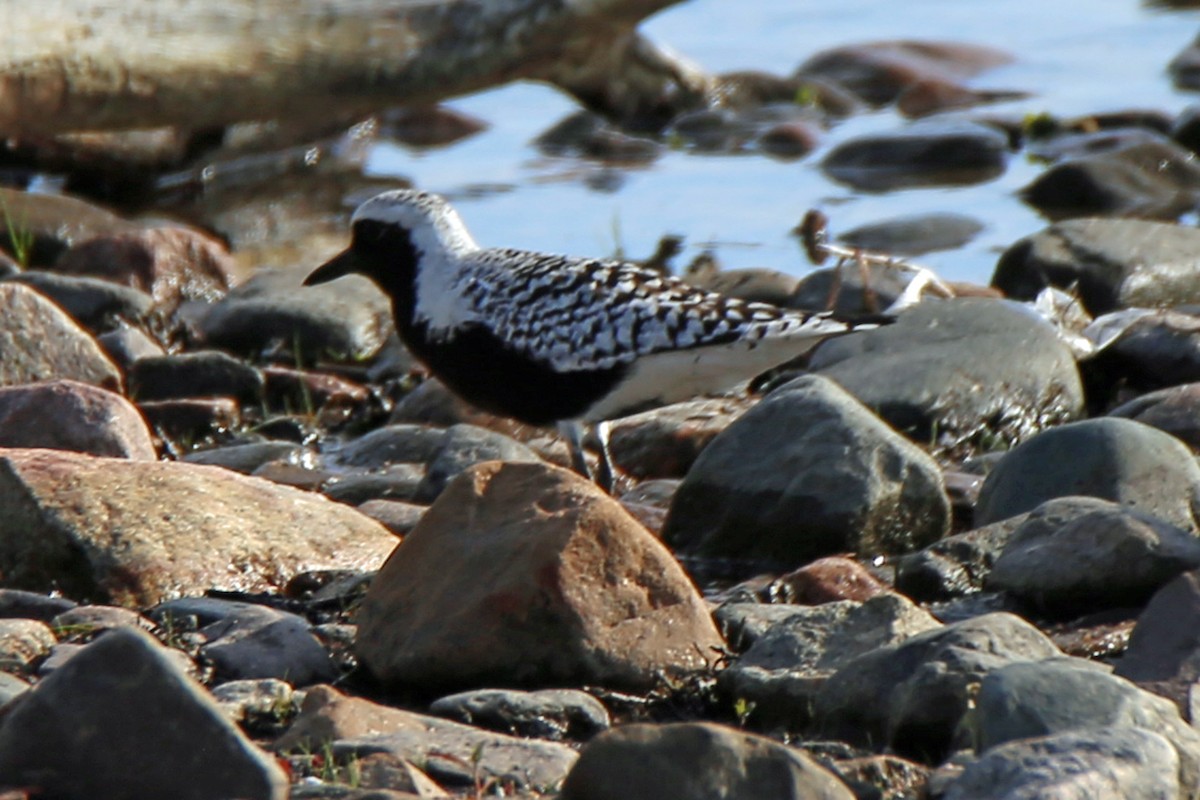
[(555, 339)]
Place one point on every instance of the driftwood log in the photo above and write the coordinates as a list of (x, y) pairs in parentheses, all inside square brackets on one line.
[(110, 65)]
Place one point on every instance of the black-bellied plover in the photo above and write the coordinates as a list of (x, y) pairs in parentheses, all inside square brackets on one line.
[(553, 339)]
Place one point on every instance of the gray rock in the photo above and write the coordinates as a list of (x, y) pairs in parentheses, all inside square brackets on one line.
[(744, 623), (956, 565), (397, 516), (1073, 555), (849, 292), (31, 605), (403, 482), (123, 695), (781, 673), (40, 342), (911, 696), (389, 445), (246, 458), (87, 419), (1021, 701), (204, 373), (554, 714), (956, 373), (914, 234), (94, 303), (1175, 410), (1134, 173), (1112, 263), (463, 446), (11, 687), (840, 481), (125, 344), (261, 642), (60, 655), (93, 619), (1158, 349), (1165, 643), (1126, 763), (1110, 458), (23, 642), (927, 154), (696, 761), (349, 318)]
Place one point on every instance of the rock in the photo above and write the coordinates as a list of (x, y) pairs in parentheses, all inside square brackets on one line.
[(134, 533), (781, 673), (1021, 701), (389, 445), (357, 728), (527, 574), (24, 642), (1156, 350), (756, 285), (1174, 410), (246, 458), (87, 419), (553, 714), (929, 153), (170, 264), (89, 620), (308, 392), (1185, 66), (55, 221), (1129, 763), (40, 342), (843, 481), (15, 603), (914, 234), (272, 310), (97, 305), (879, 72), (743, 623), (788, 140), (11, 687), (259, 642), (463, 446), (845, 288), (826, 580), (1110, 458), (1110, 263), (695, 760), (911, 696), (1165, 644), (249, 700), (123, 695), (1074, 555), (956, 565), (430, 126), (958, 372), (397, 516), (191, 420), (125, 344), (665, 442), (206, 373), (1138, 174), (402, 482)]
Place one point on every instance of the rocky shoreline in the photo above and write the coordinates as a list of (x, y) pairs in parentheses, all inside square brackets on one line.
[(248, 550)]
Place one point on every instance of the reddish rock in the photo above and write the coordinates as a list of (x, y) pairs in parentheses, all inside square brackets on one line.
[(86, 419), (193, 419), (170, 264), (524, 574), (136, 533), (39, 342), (664, 442), (828, 579)]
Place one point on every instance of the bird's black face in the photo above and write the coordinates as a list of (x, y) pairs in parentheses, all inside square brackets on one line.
[(381, 251)]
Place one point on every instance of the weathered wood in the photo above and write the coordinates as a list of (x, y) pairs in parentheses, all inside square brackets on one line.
[(70, 65)]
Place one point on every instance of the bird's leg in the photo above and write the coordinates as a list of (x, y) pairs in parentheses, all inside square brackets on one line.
[(572, 432), (606, 476)]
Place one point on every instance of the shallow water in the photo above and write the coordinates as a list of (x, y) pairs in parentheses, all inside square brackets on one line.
[(1072, 56)]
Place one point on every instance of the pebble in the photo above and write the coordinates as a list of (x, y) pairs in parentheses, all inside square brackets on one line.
[(87, 419)]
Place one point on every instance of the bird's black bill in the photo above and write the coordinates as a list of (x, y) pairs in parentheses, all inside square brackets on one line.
[(344, 263)]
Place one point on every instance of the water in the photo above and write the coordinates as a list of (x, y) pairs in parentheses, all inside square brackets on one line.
[(1072, 56)]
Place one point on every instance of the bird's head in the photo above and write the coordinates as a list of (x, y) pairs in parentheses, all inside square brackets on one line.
[(390, 235)]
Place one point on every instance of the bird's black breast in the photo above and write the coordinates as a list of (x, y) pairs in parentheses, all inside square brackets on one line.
[(483, 370)]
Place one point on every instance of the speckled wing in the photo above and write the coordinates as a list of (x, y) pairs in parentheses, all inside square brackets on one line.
[(578, 314)]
